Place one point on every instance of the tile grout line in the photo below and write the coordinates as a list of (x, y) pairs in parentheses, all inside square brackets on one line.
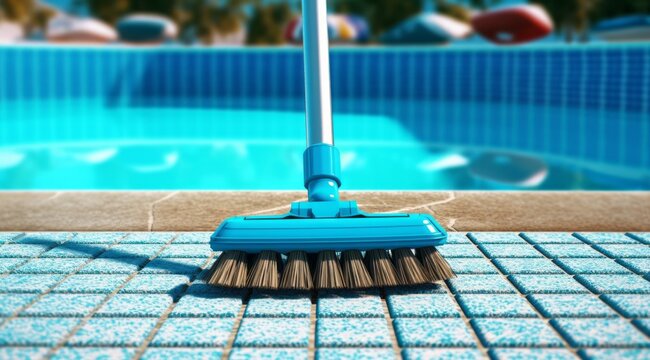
[(28, 259), (391, 325), (108, 297), (236, 326), (40, 296), (566, 343), (165, 315), (311, 347)]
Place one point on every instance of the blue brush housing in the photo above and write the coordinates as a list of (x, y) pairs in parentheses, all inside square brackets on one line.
[(324, 222)]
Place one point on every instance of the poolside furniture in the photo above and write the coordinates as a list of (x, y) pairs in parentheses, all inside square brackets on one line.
[(11, 32), (514, 24), (627, 28), (146, 29), (341, 29), (426, 29), (499, 170), (68, 29)]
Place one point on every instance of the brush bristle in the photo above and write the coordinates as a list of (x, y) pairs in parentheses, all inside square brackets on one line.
[(296, 275), (355, 274), (436, 266), (381, 269), (266, 271), (230, 270), (328, 274), (409, 270)]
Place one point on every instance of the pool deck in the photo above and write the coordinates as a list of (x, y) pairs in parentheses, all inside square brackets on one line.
[(203, 211)]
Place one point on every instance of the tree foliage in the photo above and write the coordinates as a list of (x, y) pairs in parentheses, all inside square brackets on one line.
[(381, 14)]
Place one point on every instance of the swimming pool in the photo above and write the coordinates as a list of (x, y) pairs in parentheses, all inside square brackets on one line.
[(534, 118)]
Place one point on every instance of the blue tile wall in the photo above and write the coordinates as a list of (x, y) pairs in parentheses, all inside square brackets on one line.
[(595, 83)]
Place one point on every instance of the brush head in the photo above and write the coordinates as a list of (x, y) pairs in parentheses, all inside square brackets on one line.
[(354, 271), (434, 264), (230, 270), (296, 274), (381, 268), (328, 273), (364, 232), (266, 271), (409, 270)]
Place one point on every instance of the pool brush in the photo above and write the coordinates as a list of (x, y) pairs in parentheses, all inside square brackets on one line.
[(324, 242)]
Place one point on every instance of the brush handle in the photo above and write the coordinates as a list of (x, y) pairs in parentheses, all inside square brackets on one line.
[(318, 97)]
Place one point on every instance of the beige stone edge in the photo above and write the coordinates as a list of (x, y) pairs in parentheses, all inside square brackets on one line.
[(203, 211)]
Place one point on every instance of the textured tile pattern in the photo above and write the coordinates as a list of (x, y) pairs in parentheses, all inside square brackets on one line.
[(517, 296)]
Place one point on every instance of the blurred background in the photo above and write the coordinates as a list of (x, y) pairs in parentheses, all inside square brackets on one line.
[(428, 94)]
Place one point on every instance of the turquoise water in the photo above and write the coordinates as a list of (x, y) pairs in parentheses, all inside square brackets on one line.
[(91, 146)]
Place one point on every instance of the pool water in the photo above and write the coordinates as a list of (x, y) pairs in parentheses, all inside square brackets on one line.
[(89, 146)]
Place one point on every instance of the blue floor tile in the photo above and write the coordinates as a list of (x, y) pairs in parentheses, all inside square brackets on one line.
[(188, 266), (273, 333), (458, 238), (352, 333), (571, 305), (640, 266), (591, 266), (51, 266), (10, 303), (355, 354), (36, 331), (263, 305), (64, 305), (471, 266), (208, 302), (510, 251), (113, 332), (569, 251), (182, 353), (96, 238), (91, 284), (71, 250), (269, 354), (22, 353), (422, 306), (625, 250), (186, 251), (493, 305), (156, 284), (193, 238), (480, 284), (607, 238), (547, 284), (135, 305), (349, 305), (532, 354), (133, 250), (22, 250), (600, 332), (630, 305), (615, 284), (442, 354), (25, 283), (9, 264), (194, 332), (44, 238), (515, 333), (644, 325), (433, 333), (527, 266), (68, 353), (551, 238), (113, 266), (413, 290), (148, 238), (460, 251), (618, 354), (498, 238)]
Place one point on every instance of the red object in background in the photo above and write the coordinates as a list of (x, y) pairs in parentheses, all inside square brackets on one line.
[(514, 25), (290, 30)]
